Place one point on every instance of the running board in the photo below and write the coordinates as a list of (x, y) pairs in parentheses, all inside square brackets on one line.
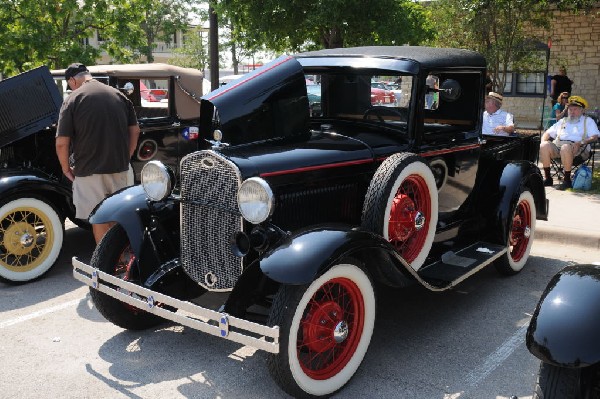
[(206, 320), (454, 267)]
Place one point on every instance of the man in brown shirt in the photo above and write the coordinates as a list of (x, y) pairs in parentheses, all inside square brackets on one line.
[(97, 123)]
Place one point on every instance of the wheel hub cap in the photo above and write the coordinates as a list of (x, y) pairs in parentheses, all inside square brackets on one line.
[(419, 221), (403, 218), (340, 333), (19, 238), (527, 232)]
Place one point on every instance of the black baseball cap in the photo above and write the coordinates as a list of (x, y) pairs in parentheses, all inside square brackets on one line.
[(74, 69)]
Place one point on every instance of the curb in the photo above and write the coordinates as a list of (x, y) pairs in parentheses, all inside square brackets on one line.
[(567, 236)]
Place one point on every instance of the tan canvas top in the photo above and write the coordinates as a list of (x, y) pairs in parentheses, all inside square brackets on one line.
[(190, 79)]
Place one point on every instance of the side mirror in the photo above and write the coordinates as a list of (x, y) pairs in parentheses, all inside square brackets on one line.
[(450, 90)]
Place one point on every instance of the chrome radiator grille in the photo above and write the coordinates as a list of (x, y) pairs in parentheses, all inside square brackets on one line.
[(209, 218)]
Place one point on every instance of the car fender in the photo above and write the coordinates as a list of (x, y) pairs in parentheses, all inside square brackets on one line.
[(22, 183), (565, 326), (128, 207), (305, 254), (514, 177)]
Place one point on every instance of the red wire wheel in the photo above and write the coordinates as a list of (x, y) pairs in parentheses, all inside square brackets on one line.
[(325, 331), (521, 230), (401, 205), (410, 216), (331, 328)]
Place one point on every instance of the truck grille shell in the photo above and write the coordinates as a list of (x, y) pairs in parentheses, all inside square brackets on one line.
[(209, 219)]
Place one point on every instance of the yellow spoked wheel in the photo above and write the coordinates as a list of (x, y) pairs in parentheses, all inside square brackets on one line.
[(31, 236)]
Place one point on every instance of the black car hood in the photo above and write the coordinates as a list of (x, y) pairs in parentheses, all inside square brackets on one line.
[(266, 103), (288, 156)]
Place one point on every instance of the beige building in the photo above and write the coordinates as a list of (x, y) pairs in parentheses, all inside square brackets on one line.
[(576, 44)]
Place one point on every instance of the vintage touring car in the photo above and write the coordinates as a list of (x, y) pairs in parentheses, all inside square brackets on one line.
[(293, 215), (35, 197)]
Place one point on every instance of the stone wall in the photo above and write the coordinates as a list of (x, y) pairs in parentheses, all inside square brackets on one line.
[(575, 43)]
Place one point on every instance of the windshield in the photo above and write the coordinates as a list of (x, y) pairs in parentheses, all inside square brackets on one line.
[(381, 98)]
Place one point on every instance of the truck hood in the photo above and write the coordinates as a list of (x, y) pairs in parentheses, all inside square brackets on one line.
[(268, 102), (289, 156)]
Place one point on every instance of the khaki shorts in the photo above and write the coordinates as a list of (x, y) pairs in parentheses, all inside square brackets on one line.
[(89, 191)]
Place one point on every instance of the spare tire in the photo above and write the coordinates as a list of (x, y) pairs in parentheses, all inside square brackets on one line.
[(401, 205)]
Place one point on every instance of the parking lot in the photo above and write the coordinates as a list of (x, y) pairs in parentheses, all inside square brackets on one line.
[(465, 343)]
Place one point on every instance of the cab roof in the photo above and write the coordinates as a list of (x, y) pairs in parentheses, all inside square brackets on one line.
[(427, 57)]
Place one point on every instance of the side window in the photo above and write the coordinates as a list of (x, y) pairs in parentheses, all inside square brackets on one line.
[(452, 99), (154, 93)]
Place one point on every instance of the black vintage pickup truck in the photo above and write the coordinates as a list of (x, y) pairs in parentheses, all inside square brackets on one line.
[(35, 198), (310, 192)]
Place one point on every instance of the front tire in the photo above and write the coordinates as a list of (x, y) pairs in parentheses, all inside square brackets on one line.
[(114, 256), (520, 236), (31, 237), (401, 204), (326, 328), (567, 383)]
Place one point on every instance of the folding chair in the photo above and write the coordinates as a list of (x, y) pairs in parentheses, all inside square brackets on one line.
[(583, 158)]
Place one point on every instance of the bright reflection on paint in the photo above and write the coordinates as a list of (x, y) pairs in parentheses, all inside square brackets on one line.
[(297, 247), (557, 301)]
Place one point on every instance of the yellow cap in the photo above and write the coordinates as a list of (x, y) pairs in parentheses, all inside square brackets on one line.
[(577, 100)]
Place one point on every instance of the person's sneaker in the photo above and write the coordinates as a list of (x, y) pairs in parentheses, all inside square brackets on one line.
[(564, 185), (548, 181)]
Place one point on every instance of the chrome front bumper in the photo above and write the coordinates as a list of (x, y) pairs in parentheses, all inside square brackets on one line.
[(196, 317)]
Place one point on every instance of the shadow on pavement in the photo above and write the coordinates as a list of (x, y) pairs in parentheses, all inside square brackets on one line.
[(57, 281)]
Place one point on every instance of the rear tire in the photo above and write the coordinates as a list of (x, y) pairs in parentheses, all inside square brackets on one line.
[(114, 256), (326, 328), (520, 236)]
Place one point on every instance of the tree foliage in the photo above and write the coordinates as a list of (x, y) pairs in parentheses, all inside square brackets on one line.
[(55, 32), (499, 29), (161, 19), (36, 33), (502, 30), (194, 51), (304, 24)]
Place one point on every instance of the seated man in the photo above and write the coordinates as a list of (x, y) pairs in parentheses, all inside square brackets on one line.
[(496, 121), (571, 135)]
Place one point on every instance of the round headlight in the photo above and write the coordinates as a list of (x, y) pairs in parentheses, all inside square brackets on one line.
[(255, 200), (156, 180)]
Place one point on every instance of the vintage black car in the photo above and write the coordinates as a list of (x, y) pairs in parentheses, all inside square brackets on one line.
[(564, 334), (294, 215), (35, 196)]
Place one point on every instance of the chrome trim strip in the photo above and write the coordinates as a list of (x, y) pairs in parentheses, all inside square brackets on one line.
[(267, 338)]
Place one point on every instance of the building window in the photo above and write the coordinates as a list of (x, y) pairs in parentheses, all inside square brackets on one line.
[(530, 83)]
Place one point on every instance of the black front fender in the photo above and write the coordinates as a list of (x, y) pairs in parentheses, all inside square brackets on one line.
[(305, 254), (129, 208), (565, 327)]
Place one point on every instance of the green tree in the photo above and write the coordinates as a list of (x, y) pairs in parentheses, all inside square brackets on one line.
[(160, 20), (50, 33), (502, 30), (55, 32), (194, 51), (282, 25)]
